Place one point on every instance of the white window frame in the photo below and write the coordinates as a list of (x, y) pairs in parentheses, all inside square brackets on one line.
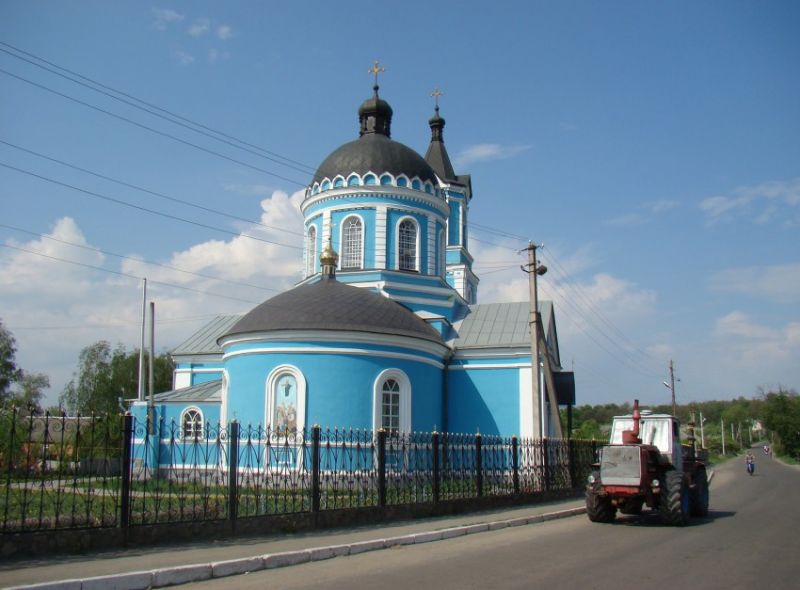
[(200, 419), (311, 249), (398, 256), (405, 399), (343, 242)]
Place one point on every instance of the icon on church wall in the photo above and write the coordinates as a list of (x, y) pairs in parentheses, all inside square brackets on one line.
[(284, 419)]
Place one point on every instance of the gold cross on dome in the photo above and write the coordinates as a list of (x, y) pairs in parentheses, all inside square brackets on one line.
[(376, 69), (436, 94)]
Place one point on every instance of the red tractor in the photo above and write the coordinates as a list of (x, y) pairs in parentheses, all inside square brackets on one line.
[(645, 464)]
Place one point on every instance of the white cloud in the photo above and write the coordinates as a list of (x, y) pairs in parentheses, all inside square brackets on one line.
[(778, 283), (756, 346), (216, 56), (488, 151), (165, 16), (764, 203), (182, 57), (199, 27), (224, 32), (645, 213)]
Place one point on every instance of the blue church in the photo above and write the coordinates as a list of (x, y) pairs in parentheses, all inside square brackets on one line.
[(384, 330)]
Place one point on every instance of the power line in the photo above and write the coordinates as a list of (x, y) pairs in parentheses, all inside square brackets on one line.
[(151, 129), (124, 274), (305, 169), (145, 190), (145, 209), (122, 256)]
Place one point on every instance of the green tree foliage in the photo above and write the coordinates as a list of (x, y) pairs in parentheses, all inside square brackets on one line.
[(18, 388), (781, 415), (105, 375)]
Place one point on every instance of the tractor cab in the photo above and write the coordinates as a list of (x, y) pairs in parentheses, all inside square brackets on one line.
[(659, 430)]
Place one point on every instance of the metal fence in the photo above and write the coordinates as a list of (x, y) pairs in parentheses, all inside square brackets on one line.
[(114, 471)]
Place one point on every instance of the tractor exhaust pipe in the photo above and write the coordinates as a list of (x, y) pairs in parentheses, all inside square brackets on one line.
[(631, 437)]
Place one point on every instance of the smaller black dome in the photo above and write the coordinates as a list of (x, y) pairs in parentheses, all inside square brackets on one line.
[(331, 305)]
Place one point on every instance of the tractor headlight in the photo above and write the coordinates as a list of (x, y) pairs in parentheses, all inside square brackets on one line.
[(656, 483), (591, 478)]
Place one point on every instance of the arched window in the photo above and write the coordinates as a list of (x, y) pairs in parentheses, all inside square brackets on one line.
[(402, 181), (407, 245), (352, 240), (338, 182), (286, 400), (311, 250), (392, 402), (386, 180), (370, 179), (192, 424), (354, 180)]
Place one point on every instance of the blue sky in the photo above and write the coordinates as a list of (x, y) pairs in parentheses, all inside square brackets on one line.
[(651, 147)]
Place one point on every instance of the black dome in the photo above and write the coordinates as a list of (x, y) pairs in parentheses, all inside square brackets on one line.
[(335, 306), (375, 153)]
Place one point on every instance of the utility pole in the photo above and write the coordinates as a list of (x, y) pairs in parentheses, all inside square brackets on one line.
[(702, 433), (151, 405), (534, 269), (141, 345), (722, 433), (672, 386)]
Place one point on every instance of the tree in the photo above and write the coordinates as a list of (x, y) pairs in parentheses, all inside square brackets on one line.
[(18, 388), (105, 375), (781, 415), (9, 372)]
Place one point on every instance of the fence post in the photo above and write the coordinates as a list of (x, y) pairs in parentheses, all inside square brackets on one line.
[(381, 468), (546, 464), (315, 469), (515, 463), (125, 484), (233, 474), (478, 465), (435, 464), (571, 449)]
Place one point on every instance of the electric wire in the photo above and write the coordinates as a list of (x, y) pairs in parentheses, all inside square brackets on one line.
[(148, 104), (144, 209)]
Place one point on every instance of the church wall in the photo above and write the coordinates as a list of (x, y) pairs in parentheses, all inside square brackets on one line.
[(484, 399), (339, 387)]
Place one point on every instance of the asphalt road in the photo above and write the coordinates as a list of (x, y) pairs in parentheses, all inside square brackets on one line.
[(750, 539)]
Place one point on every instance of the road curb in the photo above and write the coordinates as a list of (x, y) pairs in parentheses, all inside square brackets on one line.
[(176, 575)]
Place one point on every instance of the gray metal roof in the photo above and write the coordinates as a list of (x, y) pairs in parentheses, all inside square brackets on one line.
[(204, 341), (500, 324), (331, 305), (211, 391)]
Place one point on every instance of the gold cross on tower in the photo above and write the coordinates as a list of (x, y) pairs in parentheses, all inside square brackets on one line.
[(376, 69), (436, 94)]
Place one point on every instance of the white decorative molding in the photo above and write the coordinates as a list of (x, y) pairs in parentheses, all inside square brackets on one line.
[(432, 250), (272, 379), (336, 350), (380, 236), (405, 399)]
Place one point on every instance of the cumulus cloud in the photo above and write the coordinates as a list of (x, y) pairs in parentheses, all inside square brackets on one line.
[(752, 344), (224, 32), (777, 283), (644, 213), (488, 151), (182, 57), (164, 17), (199, 27), (763, 203)]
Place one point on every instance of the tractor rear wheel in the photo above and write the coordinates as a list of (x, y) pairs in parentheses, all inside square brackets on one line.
[(599, 508), (699, 495), (675, 505)]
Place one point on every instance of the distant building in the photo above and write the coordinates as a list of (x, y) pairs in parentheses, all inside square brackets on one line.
[(385, 329)]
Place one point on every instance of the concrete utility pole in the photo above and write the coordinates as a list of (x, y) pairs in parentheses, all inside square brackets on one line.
[(722, 433), (702, 432), (671, 387), (534, 270), (141, 345), (151, 404)]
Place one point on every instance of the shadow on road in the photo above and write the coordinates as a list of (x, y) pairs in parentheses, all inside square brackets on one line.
[(650, 518)]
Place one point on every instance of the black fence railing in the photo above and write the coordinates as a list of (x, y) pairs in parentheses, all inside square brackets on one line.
[(114, 471)]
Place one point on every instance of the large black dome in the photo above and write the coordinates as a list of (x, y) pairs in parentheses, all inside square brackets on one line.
[(334, 306), (377, 153)]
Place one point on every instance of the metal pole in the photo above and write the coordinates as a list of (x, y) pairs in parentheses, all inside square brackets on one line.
[(151, 403), (672, 387), (536, 382), (722, 432), (141, 346)]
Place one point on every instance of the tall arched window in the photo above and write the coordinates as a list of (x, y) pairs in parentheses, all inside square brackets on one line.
[(352, 240), (392, 402), (192, 424), (311, 250), (407, 245), (442, 254)]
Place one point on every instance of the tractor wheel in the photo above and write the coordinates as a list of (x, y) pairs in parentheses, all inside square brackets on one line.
[(632, 506), (699, 495), (599, 508), (675, 506)]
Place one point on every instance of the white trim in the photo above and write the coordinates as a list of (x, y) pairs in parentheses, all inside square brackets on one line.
[(487, 352), (380, 235), (181, 379), (361, 246), (340, 337), (482, 367), (185, 411), (432, 249), (223, 410), (405, 399), (525, 403), (310, 253), (421, 300), (368, 191), (271, 382), (350, 351)]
